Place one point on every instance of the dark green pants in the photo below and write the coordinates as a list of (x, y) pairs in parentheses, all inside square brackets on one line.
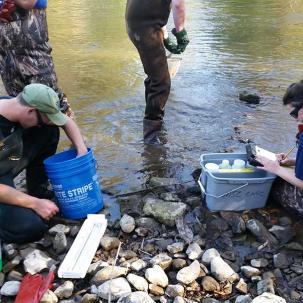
[(19, 224), (144, 19)]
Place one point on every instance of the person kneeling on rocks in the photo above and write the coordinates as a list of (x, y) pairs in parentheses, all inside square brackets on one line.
[(290, 193), (29, 133)]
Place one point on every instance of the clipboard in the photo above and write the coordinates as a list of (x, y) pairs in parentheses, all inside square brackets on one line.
[(254, 150)]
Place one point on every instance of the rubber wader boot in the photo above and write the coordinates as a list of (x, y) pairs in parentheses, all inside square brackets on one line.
[(151, 131)]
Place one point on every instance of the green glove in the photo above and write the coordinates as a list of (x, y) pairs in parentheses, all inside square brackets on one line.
[(182, 39), (171, 46)]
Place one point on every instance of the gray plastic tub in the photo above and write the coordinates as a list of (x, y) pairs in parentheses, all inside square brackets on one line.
[(233, 191)]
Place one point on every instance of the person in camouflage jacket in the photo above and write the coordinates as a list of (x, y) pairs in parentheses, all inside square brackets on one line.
[(25, 52)]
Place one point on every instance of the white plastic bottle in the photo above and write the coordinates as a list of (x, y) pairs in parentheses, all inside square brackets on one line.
[(225, 164)]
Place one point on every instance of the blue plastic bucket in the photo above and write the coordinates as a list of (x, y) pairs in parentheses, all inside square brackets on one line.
[(75, 183)]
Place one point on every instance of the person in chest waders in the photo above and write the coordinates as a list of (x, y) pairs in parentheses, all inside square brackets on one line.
[(146, 26), (25, 53), (29, 134), (288, 188)]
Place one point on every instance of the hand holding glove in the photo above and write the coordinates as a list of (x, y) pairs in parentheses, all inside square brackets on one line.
[(182, 39), (171, 46)]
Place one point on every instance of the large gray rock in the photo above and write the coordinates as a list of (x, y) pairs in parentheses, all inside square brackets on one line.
[(189, 273), (138, 282), (235, 221), (268, 298), (36, 261), (164, 212), (117, 287), (260, 231), (136, 297), (109, 272), (157, 276), (10, 288)]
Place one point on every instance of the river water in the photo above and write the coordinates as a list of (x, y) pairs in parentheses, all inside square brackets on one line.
[(235, 45)]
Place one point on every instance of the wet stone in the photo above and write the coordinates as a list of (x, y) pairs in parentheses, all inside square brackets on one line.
[(283, 234), (250, 98), (235, 221)]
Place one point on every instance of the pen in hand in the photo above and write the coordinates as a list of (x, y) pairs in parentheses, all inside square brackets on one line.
[(288, 153)]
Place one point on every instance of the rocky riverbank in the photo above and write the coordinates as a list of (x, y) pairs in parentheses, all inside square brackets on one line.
[(172, 250)]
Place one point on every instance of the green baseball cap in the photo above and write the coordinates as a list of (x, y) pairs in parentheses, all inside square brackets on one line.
[(45, 100)]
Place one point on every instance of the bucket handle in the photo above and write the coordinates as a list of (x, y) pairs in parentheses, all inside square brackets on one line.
[(203, 190)]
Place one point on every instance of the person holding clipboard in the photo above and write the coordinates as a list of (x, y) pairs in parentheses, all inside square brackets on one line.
[(290, 193)]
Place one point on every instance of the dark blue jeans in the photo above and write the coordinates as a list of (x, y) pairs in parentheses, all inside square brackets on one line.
[(19, 224)]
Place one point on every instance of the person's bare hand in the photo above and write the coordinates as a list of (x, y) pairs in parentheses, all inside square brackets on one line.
[(26, 4), (45, 208), (285, 161), (268, 165)]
